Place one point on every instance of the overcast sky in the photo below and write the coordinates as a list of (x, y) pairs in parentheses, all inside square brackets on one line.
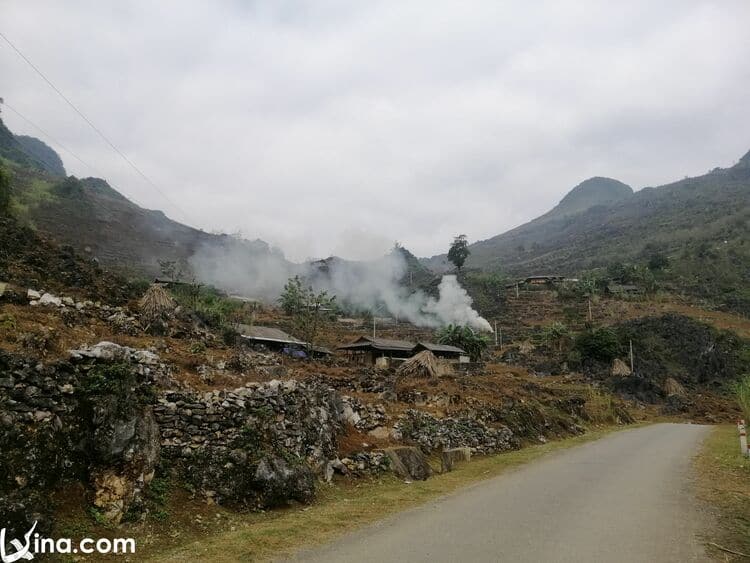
[(339, 127)]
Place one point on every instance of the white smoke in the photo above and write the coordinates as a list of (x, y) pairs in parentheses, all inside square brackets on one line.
[(454, 306), (374, 285)]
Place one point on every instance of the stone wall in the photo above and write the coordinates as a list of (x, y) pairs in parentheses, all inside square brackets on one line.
[(258, 445)]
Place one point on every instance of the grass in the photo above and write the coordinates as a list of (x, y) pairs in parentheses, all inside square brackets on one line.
[(743, 397), (724, 483), (342, 508)]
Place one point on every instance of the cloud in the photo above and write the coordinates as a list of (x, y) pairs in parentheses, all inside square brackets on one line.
[(298, 121)]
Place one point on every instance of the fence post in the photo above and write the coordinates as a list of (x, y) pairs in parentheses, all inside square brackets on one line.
[(743, 437)]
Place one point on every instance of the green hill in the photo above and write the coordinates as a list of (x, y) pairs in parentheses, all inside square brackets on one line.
[(94, 218), (700, 225)]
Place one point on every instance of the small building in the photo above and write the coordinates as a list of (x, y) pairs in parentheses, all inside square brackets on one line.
[(442, 351), (542, 280), (380, 351), (621, 289), (279, 341)]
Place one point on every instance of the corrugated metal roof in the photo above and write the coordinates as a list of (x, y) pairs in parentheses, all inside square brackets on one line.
[(267, 333), (366, 342), (432, 347)]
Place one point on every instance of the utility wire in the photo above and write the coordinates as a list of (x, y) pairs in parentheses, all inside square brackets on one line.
[(66, 149), (94, 127)]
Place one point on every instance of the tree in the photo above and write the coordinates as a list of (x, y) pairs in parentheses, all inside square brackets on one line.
[(658, 261), (464, 337), (459, 251), (309, 310), (293, 296), (4, 191), (556, 332)]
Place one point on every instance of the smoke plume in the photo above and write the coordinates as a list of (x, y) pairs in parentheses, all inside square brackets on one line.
[(376, 285)]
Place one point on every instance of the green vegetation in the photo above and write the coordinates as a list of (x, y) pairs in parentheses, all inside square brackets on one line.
[(309, 310), (4, 191), (742, 390), (209, 304), (597, 344), (464, 337), (692, 237), (556, 333), (487, 290), (459, 251), (723, 477)]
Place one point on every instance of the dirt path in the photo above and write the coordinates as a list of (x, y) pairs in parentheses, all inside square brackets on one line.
[(625, 497)]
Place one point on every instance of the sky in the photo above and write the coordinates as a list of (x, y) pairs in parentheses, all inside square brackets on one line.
[(338, 127)]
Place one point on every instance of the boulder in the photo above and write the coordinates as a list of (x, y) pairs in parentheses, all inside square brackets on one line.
[(409, 462), (620, 368), (278, 481), (50, 300), (452, 456)]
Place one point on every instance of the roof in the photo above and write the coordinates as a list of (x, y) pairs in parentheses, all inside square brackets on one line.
[(367, 342), (546, 277), (432, 347), (267, 334)]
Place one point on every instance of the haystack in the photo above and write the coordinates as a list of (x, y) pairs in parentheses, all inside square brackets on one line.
[(156, 303), (424, 364)]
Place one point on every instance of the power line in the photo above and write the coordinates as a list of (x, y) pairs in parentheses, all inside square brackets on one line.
[(94, 127), (66, 149)]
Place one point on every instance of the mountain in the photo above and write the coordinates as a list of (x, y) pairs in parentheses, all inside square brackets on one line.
[(29, 152), (591, 192), (95, 219), (701, 224), (43, 154)]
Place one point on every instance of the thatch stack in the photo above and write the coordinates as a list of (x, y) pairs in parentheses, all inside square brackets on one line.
[(424, 364), (156, 304)]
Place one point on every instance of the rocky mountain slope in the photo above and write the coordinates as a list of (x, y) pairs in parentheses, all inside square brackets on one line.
[(601, 220), (92, 217), (701, 225)]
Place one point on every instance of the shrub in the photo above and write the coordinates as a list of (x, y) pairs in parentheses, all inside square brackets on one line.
[(4, 191), (742, 391), (597, 344)]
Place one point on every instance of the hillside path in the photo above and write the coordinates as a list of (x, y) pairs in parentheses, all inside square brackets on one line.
[(625, 497)]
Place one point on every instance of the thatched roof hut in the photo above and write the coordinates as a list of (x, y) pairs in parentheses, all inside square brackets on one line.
[(156, 303), (424, 364)]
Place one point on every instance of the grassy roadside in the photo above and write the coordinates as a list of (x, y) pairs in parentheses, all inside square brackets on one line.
[(724, 483), (344, 507)]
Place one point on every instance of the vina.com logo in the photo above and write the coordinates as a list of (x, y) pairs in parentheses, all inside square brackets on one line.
[(36, 544)]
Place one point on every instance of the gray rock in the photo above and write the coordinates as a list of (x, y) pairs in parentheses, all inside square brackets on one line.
[(409, 462), (451, 456)]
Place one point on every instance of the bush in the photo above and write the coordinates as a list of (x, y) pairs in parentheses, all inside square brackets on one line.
[(742, 391), (4, 191), (597, 344)]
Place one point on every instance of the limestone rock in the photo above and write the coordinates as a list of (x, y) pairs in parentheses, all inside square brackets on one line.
[(452, 456), (409, 462), (280, 481), (50, 300)]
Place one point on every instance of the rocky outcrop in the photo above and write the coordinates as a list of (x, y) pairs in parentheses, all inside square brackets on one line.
[(452, 456), (258, 445), (86, 419), (409, 463), (431, 433)]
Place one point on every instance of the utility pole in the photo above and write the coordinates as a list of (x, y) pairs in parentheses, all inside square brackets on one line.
[(516, 291), (590, 317), (495, 334), (631, 357)]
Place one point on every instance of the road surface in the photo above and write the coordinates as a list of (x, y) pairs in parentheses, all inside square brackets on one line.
[(625, 497)]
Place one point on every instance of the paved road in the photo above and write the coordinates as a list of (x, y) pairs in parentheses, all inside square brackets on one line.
[(624, 498)]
